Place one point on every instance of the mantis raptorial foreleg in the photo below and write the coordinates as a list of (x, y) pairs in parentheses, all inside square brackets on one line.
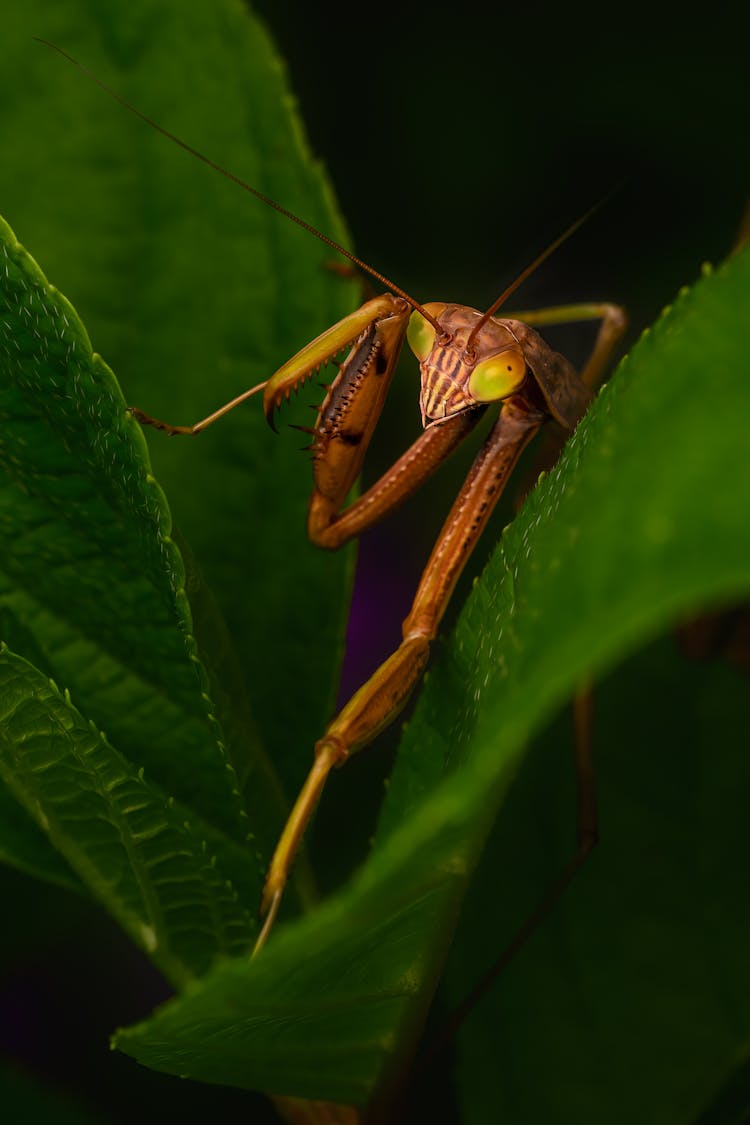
[(384, 318)]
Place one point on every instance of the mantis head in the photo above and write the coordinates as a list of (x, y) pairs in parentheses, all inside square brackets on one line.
[(463, 364)]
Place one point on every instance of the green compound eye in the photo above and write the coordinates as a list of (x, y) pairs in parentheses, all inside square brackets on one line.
[(420, 334), (497, 377)]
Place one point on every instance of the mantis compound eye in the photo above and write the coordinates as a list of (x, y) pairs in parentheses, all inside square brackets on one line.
[(497, 377), (421, 335)]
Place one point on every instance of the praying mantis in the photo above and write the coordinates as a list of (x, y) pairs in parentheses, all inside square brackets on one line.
[(470, 362)]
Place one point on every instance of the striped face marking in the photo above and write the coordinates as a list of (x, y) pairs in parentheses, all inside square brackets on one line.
[(455, 378)]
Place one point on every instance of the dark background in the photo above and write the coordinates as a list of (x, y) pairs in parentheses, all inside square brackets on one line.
[(460, 140)]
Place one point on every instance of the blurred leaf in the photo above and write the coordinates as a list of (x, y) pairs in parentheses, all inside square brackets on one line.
[(22, 845), (633, 530), (642, 968)]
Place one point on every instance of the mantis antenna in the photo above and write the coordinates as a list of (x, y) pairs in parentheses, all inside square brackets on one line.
[(308, 226), (549, 250), (242, 183)]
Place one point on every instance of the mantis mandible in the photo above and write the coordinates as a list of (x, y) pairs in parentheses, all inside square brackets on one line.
[(469, 362)]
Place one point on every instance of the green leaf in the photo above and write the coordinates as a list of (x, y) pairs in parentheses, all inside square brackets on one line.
[(635, 529), (194, 291), (22, 845), (90, 570), (150, 866), (192, 301), (642, 968)]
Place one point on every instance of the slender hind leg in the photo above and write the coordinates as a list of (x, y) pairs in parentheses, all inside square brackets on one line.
[(613, 324), (587, 834)]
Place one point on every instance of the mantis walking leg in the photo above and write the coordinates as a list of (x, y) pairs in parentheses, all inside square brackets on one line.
[(613, 324), (379, 700)]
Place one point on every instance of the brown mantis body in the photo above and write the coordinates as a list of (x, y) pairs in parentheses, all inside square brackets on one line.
[(469, 362)]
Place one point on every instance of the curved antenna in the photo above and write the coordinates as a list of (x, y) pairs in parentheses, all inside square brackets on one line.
[(242, 183), (530, 269)]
